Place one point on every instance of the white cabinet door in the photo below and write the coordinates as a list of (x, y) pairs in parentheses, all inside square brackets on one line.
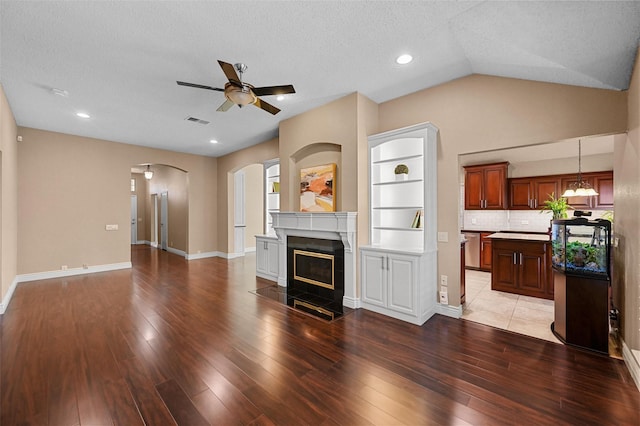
[(402, 283), (261, 256), (272, 258), (373, 275)]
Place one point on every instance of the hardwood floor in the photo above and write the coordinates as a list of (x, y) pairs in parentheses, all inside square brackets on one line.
[(178, 342)]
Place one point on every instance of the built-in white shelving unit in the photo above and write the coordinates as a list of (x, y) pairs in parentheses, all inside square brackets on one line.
[(272, 193), (399, 266)]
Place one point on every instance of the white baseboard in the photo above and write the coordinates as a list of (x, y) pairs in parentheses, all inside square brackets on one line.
[(153, 244), (450, 311), (249, 249), (7, 297), (204, 255), (73, 271), (23, 278), (231, 255), (350, 302), (633, 363), (176, 251)]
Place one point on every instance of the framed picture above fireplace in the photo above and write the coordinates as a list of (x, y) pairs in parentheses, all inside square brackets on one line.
[(317, 188)]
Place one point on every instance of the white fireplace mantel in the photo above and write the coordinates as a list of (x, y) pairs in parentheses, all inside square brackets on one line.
[(325, 225)]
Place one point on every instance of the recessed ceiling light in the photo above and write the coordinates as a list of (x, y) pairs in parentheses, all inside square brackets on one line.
[(280, 98), (83, 115), (213, 141), (404, 59)]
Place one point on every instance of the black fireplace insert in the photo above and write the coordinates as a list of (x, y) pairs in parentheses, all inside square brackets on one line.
[(315, 276)]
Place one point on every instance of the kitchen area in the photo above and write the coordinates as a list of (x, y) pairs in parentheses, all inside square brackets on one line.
[(505, 227)]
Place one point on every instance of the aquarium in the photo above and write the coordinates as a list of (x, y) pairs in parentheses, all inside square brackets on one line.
[(581, 246)]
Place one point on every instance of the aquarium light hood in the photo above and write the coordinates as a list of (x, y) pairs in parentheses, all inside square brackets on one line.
[(579, 188)]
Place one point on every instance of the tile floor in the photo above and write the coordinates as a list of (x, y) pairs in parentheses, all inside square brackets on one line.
[(521, 314)]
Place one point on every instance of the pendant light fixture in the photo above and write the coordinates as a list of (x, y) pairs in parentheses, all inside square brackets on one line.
[(148, 174), (579, 188)]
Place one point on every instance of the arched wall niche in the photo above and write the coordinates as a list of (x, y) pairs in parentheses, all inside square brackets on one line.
[(315, 154)]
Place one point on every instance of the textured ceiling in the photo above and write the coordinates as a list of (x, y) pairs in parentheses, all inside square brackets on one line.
[(119, 60)]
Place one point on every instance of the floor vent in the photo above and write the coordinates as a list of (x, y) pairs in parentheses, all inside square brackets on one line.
[(197, 120)]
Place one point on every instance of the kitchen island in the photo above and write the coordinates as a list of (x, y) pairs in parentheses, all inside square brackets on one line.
[(521, 264)]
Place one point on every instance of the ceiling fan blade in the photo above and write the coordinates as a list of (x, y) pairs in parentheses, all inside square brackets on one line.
[(266, 106), (225, 106), (199, 86), (274, 90), (230, 71)]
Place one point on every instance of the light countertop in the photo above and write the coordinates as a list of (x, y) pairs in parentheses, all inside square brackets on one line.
[(516, 236)]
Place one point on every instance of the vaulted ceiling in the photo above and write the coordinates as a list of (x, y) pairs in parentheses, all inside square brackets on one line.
[(119, 60)]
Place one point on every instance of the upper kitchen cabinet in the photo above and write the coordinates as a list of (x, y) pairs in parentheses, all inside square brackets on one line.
[(602, 182), (531, 193), (485, 187)]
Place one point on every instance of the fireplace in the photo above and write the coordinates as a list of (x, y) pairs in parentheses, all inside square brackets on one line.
[(333, 226), (315, 276)]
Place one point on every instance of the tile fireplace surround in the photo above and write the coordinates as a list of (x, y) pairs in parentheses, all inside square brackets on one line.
[(329, 226)]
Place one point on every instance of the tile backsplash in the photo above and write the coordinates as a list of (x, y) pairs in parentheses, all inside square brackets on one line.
[(511, 220)]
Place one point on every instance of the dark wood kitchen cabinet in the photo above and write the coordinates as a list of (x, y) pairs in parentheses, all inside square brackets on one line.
[(531, 193), (522, 267), (485, 251), (486, 187)]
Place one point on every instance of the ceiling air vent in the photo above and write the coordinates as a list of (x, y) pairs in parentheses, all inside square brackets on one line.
[(197, 120)]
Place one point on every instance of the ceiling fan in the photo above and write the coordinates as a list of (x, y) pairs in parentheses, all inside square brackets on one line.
[(240, 93)]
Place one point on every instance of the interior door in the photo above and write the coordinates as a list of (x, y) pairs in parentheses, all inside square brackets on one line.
[(134, 219), (239, 224), (164, 220)]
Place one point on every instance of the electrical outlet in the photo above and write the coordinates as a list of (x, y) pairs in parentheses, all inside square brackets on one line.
[(474, 221), (443, 237), (443, 280), (63, 267), (444, 297), (524, 222), (113, 227)]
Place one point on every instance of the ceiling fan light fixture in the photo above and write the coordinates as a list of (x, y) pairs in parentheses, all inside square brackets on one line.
[(240, 96), (148, 174)]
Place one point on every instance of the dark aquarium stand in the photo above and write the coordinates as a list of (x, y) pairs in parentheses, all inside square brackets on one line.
[(581, 254)]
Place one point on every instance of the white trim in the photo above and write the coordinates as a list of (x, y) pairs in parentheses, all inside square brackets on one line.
[(249, 249), (7, 297), (232, 255), (204, 255), (633, 364), (350, 302), (267, 276), (71, 272), (450, 311), (176, 251)]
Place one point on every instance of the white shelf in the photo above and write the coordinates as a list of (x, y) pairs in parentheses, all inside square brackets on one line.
[(398, 159), (393, 228), (397, 182), (397, 208)]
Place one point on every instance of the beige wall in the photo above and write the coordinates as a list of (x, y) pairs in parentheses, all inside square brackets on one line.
[(70, 187), (8, 197), (254, 203), (482, 113), (226, 167), (627, 221), (333, 129)]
